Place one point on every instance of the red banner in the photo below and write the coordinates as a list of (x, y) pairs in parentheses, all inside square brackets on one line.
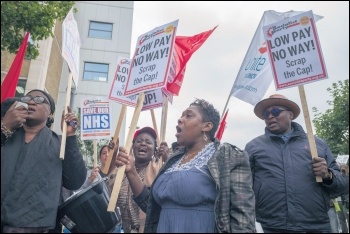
[(8, 87), (222, 127), (184, 48)]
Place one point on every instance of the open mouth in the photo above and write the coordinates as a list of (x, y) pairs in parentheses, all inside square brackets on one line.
[(178, 131), (31, 109), (142, 151)]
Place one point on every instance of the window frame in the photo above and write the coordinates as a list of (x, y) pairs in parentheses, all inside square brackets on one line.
[(22, 83), (95, 71), (98, 30)]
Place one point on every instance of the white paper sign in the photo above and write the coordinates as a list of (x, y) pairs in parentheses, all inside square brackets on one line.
[(71, 45), (150, 64), (295, 52), (254, 76), (153, 98), (118, 86), (342, 159), (95, 118)]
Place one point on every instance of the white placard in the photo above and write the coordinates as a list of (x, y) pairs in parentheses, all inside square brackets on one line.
[(151, 60), (71, 45), (295, 51), (95, 115), (153, 98), (342, 159)]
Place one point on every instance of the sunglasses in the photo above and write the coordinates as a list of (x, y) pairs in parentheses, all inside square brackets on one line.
[(274, 112), (37, 99)]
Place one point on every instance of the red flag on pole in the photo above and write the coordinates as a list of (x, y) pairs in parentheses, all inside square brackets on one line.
[(8, 86), (222, 127), (184, 48)]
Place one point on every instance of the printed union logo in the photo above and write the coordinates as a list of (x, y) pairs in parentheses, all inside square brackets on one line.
[(124, 61), (169, 29), (148, 36), (263, 48), (87, 102), (269, 32), (304, 20)]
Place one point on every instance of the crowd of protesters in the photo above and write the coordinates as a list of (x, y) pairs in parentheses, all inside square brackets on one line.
[(200, 185)]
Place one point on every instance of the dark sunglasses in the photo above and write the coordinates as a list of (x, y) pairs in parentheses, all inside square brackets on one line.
[(37, 99), (274, 112)]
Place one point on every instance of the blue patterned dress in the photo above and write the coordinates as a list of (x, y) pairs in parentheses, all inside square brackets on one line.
[(187, 194)]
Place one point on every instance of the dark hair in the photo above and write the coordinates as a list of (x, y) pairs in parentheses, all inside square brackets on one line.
[(209, 114), (6, 104), (102, 147)]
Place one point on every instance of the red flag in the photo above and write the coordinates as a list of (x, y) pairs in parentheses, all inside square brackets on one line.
[(8, 86), (222, 127), (184, 48)]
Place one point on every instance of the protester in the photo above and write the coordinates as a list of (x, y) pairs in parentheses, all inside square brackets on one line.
[(288, 198), (207, 187), (333, 216), (95, 174), (345, 196), (163, 151), (343, 214), (32, 172), (143, 149)]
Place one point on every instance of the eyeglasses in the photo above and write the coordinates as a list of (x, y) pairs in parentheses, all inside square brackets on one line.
[(274, 111), (37, 99)]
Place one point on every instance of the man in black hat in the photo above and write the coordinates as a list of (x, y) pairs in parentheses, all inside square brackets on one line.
[(288, 198), (32, 172)]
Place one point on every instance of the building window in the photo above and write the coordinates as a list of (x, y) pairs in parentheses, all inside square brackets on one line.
[(95, 71), (21, 86), (100, 30)]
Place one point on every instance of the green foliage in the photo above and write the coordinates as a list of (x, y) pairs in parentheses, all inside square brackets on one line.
[(36, 17), (333, 125)]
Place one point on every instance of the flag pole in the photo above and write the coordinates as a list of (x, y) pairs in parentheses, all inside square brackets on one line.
[(228, 99)]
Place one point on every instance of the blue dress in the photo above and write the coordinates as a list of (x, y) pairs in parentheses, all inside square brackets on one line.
[(187, 194)]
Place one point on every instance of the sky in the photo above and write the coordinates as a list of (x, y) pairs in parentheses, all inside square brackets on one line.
[(212, 69)]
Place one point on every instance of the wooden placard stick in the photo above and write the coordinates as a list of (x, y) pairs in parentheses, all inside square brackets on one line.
[(310, 135), (95, 152), (155, 126), (64, 127), (164, 119), (120, 173), (115, 140)]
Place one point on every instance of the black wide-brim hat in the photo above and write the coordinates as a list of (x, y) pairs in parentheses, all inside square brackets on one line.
[(276, 100)]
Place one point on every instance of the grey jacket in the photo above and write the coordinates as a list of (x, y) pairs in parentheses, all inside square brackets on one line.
[(32, 176), (234, 205), (287, 194)]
